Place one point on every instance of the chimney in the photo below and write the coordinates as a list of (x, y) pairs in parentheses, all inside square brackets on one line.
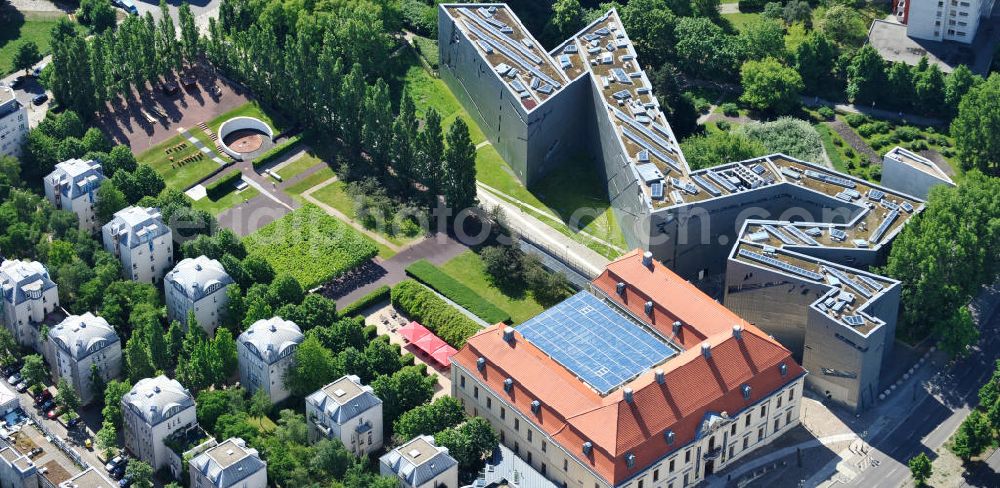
[(649, 308), (677, 327), (660, 378), (628, 394), (706, 350), (647, 260), (508, 335), (738, 331)]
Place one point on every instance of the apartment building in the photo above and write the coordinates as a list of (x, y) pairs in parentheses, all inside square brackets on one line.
[(13, 123), (230, 464), (152, 412), (29, 296), (420, 464), (349, 411), (85, 344), (90, 478), (943, 20), (138, 237), (641, 381), (72, 187), (266, 351), (16, 469), (197, 285)]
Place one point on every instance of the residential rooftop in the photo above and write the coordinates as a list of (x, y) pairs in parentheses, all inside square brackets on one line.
[(198, 277), (83, 335), (418, 461), (272, 339), (344, 399), (158, 399), (23, 280), (136, 225), (228, 463), (91, 478)]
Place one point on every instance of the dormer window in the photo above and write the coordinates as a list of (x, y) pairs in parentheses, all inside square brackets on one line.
[(783, 369), (508, 385), (630, 460), (669, 436), (746, 391)]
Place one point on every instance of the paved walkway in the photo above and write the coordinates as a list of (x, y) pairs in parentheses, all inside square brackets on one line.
[(872, 111)]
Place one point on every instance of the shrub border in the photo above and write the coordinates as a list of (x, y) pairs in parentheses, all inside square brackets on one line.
[(443, 283)]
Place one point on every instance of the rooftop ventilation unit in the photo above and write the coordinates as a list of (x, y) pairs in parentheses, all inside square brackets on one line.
[(628, 395), (660, 377), (536, 407), (706, 350), (647, 259), (508, 385), (620, 288), (669, 436), (508, 335), (677, 327)]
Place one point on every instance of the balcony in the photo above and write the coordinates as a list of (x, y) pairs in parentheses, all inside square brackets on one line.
[(713, 454)]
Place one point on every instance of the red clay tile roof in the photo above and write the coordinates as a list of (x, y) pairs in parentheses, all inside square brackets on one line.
[(572, 413)]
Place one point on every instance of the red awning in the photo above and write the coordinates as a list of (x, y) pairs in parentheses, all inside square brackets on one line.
[(413, 331), (429, 343), (443, 355)]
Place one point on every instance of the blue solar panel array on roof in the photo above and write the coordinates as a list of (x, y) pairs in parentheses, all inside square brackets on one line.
[(884, 226), (595, 342)]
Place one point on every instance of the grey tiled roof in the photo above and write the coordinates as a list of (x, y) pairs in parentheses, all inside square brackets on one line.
[(158, 399), (20, 279), (228, 463), (136, 225), (344, 399), (82, 335), (271, 339), (418, 461), (78, 176), (198, 277)]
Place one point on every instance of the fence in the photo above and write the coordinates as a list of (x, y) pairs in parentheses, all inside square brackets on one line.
[(58, 441)]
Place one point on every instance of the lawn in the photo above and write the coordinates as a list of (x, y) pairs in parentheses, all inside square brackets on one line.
[(740, 20), (229, 200), (428, 91), (835, 146), (335, 195), (306, 161), (23, 27), (177, 175), (558, 194), (311, 246), (249, 109), (296, 190), (467, 268)]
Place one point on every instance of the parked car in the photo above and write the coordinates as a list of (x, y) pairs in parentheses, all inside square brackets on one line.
[(114, 463), (89, 444), (22, 387), (39, 99), (124, 483), (18, 82), (55, 412), (118, 472), (73, 422), (14, 378), (47, 405), (44, 395), (10, 369)]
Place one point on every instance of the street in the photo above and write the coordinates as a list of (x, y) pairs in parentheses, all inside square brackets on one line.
[(27, 91)]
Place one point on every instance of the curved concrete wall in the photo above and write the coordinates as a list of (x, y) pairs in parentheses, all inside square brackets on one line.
[(241, 123)]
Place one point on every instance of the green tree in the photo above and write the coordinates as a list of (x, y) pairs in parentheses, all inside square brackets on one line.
[(844, 25), (98, 14), (929, 88), (212, 404), (990, 391), (120, 158), (899, 82), (976, 125), (402, 391), (920, 468), (677, 107), (972, 437), (770, 86), (190, 40), (566, 20), (957, 84), (866, 76), (429, 419), (140, 365), (762, 38), (8, 347), (460, 167), (97, 383), (431, 152), (27, 56), (314, 367), (797, 11), (260, 404), (113, 394), (140, 473), (72, 79), (225, 348), (705, 50), (34, 372), (712, 149), (285, 289), (66, 396), (651, 25), (107, 439), (469, 443), (175, 340), (159, 353), (958, 332)]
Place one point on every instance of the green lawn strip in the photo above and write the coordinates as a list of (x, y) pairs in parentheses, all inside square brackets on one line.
[(428, 49), (277, 152), (740, 20), (428, 91), (306, 161), (227, 201), (432, 276), (468, 269), (23, 27), (424, 306), (176, 175), (296, 190), (834, 152), (311, 246), (577, 195)]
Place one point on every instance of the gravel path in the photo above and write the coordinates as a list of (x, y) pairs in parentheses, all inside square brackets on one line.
[(855, 140)]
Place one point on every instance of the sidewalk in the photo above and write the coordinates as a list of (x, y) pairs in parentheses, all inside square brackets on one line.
[(872, 111)]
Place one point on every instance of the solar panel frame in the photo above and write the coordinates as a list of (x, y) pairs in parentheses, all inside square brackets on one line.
[(710, 188), (791, 268), (871, 282), (842, 276), (596, 343), (802, 236), (884, 226), (716, 177)]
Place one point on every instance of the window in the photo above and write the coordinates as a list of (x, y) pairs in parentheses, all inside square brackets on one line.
[(760, 434), (687, 456), (640, 484), (763, 411), (779, 402), (475, 393), (517, 424), (503, 413), (777, 424), (732, 430), (791, 394), (747, 423), (529, 435), (529, 457), (746, 442), (565, 465), (788, 417), (544, 446), (671, 469), (461, 381), (489, 403)]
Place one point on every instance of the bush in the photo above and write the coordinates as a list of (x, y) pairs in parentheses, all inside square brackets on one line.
[(849, 152), (855, 120), (419, 17), (942, 141), (730, 109), (277, 151), (871, 128), (428, 49), (827, 113), (432, 276), (723, 125), (881, 141), (907, 133), (310, 245), (223, 185), (794, 137), (918, 145), (422, 305), (377, 295)]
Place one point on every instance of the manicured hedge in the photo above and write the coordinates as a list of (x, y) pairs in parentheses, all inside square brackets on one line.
[(223, 185), (443, 283), (277, 151), (420, 304), (375, 296)]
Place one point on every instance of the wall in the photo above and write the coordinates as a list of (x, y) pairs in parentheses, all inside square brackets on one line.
[(241, 123), (905, 178)]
